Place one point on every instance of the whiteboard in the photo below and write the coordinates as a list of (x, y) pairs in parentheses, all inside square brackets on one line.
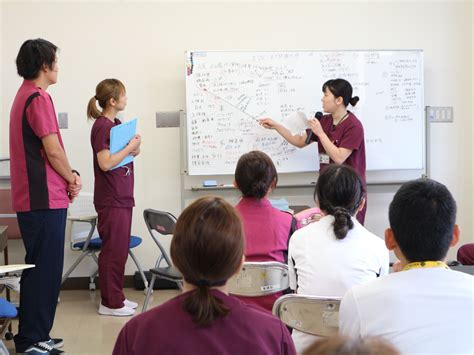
[(227, 90)]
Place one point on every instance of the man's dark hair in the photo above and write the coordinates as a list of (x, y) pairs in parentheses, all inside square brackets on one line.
[(33, 54), (422, 216)]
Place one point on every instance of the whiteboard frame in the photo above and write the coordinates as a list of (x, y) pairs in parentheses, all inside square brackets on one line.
[(374, 177)]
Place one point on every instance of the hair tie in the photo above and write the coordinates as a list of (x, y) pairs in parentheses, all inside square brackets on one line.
[(203, 283), (207, 283), (342, 211), (95, 97)]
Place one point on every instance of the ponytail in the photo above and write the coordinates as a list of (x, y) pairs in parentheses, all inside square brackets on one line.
[(203, 306), (107, 89), (207, 248), (92, 110), (340, 192), (342, 222), (354, 100), (341, 88)]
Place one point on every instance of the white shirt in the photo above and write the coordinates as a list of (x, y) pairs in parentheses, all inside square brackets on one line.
[(421, 311), (321, 265)]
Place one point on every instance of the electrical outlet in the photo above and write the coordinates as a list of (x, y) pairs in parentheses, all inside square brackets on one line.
[(167, 119), (62, 120), (440, 114)]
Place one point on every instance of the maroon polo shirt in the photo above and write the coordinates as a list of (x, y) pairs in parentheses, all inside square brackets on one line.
[(267, 235), (112, 188), (347, 134), (168, 329), (35, 185)]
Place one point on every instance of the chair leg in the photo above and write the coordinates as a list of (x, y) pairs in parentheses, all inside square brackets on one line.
[(71, 269), (148, 294), (140, 270)]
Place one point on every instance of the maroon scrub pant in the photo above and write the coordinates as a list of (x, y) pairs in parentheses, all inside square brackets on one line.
[(114, 226)]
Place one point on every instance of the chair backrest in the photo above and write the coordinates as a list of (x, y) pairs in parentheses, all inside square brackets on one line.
[(259, 279), (162, 223), (82, 206), (309, 314)]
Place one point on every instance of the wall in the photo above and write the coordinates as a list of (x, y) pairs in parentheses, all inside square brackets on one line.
[(144, 44), (2, 120)]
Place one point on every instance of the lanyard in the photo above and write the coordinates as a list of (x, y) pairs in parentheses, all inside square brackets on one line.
[(425, 264)]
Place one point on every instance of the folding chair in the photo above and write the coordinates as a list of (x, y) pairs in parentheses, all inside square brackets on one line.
[(8, 310), (162, 223), (83, 238), (259, 279), (309, 314)]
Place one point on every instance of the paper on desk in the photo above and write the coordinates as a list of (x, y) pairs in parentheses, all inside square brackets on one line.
[(14, 267)]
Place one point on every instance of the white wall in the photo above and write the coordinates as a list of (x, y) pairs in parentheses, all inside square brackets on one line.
[(144, 44), (2, 153)]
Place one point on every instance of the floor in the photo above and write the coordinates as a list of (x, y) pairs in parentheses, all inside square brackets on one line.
[(83, 330)]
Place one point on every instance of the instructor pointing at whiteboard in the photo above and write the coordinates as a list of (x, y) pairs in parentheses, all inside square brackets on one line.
[(339, 134)]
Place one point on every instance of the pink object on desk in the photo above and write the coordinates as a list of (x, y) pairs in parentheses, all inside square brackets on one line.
[(307, 216)]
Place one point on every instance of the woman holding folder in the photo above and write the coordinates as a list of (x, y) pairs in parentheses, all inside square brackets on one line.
[(113, 196)]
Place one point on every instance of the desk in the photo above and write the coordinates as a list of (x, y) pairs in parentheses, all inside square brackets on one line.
[(468, 269)]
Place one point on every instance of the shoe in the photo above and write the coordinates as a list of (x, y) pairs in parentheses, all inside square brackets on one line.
[(119, 312), (130, 304), (42, 348), (55, 343)]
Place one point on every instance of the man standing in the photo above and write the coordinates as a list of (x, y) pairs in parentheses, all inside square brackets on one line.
[(42, 184)]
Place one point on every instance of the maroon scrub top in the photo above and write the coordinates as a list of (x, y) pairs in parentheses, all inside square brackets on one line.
[(169, 329), (114, 187)]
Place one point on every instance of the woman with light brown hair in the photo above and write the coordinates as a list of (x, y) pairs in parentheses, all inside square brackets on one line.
[(113, 196), (208, 249)]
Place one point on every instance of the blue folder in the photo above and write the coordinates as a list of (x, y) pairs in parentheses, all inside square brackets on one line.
[(120, 135)]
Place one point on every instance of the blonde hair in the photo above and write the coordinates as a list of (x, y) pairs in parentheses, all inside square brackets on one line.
[(107, 89)]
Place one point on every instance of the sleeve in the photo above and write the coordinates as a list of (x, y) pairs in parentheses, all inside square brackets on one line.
[(290, 233), (349, 319), (291, 268), (352, 137), (100, 138), (385, 262), (287, 345), (121, 344), (41, 116)]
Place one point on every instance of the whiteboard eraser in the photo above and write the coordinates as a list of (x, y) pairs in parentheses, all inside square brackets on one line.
[(209, 183)]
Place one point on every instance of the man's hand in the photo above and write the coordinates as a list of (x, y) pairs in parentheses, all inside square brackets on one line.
[(74, 188)]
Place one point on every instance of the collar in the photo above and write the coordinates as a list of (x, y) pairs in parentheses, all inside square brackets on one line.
[(250, 201), (425, 264)]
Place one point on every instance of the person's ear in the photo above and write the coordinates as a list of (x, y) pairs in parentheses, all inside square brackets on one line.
[(273, 185), (362, 205), (112, 102), (339, 100), (390, 241), (235, 185), (456, 234)]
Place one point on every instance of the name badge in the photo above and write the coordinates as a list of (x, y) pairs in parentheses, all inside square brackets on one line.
[(323, 159)]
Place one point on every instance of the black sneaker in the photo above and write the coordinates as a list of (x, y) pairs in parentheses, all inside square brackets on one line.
[(42, 348), (55, 343)]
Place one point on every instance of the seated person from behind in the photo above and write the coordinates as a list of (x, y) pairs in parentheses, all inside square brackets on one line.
[(267, 229), (466, 254), (425, 308), (328, 257), (208, 249)]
